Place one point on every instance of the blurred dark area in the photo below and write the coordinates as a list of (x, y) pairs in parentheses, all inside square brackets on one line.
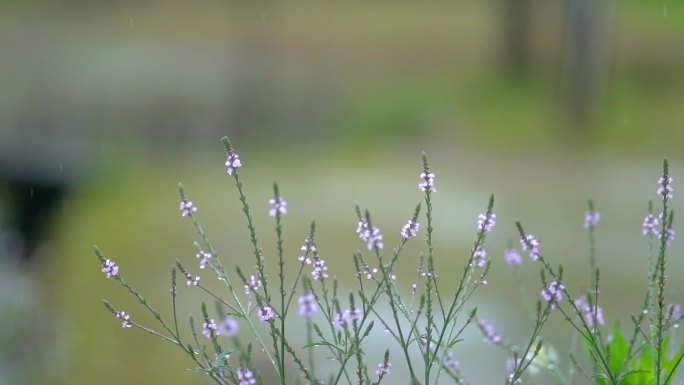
[(105, 106)]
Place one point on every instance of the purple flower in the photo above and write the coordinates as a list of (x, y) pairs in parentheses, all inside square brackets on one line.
[(665, 188), (110, 268), (125, 317), (588, 310), (427, 181), (553, 293), (350, 315), (670, 236), (308, 305), (529, 242), (204, 257), (278, 206), (512, 257), (229, 326), (451, 362), (209, 328), (673, 313), (266, 313), (591, 219), (486, 221), (650, 225), (480, 257), (511, 364), (252, 285), (410, 229), (233, 162), (307, 248), (192, 281), (339, 320), (487, 329), (187, 207), (320, 271), (245, 376), (383, 369), (372, 236)]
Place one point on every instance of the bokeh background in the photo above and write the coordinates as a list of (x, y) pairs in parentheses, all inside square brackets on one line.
[(105, 106)]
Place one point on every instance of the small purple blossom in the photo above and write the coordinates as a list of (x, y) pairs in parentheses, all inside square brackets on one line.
[(229, 327), (383, 369), (110, 268), (665, 188), (320, 271), (512, 257), (350, 315), (307, 248), (233, 162), (278, 206), (209, 328), (245, 376), (450, 361), (486, 221), (266, 313), (532, 244), (589, 310), (650, 225), (671, 234), (372, 236), (673, 313), (252, 285), (204, 257), (192, 281), (410, 229), (307, 305), (480, 257), (553, 293), (187, 207), (125, 317), (487, 329), (339, 320), (427, 181), (591, 219)]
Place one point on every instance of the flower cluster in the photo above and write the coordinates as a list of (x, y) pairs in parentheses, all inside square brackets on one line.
[(529, 242), (673, 313), (450, 361), (320, 271), (266, 313), (650, 225), (350, 315), (553, 293), (427, 181), (246, 377), (229, 327), (307, 248), (125, 317), (665, 188), (233, 162), (204, 257), (187, 207), (209, 328), (410, 229), (278, 206), (307, 305), (486, 221), (372, 236), (383, 369), (512, 257), (110, 268), (192, 281), (487, 329), (252, 285), (591, 219), (592, 313), (480, 257)]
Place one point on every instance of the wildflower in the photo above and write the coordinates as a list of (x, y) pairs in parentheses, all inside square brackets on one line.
[(650, 225), (246, 377), (673, 313), (451, 362), (307, 248), (266, 313), (427, 181), (209, 328), (229, 326), (487, 329), (278, 206), (192, 281), (307, 305), (383, 369), (512, 257), (410, 229), (591, 219), (203, 257), (665, 189), (252, 285), (320, 271), (126, 323), (511, 365), (589, 311), (529, 242), (233, 162), (339, 320), (110, 268), (187, 207), (480, 257), (486, 221), (554, 292), (353, 314), (372, 236)]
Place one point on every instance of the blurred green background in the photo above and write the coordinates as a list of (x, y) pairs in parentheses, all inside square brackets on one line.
[(105, 106)]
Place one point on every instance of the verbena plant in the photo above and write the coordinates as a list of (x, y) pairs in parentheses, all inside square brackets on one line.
[(425, 326)]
